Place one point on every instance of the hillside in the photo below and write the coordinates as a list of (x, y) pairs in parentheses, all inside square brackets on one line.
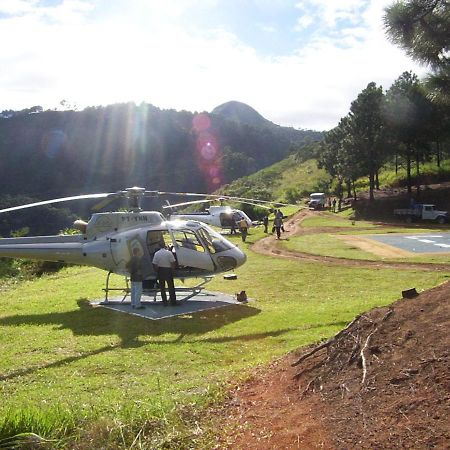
[(56, 153), (241, 113), (287, 180)]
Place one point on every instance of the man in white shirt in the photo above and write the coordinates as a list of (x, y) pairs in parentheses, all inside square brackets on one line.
[(164, 264)]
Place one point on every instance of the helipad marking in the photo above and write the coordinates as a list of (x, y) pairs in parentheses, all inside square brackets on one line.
[(419, 243), (425, 236)]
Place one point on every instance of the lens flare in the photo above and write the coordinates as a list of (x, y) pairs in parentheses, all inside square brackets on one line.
[(201, 122), (208, 150)]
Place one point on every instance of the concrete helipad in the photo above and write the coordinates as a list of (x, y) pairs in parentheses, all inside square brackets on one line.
[(416, 243), (155, 310)]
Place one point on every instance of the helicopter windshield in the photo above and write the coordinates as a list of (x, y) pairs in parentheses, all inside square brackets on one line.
[(214, 241), (187, 239)]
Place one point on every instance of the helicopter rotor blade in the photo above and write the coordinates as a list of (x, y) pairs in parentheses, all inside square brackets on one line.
[(55, 200), (186, 203), (245, 199), (225, 197), (185, 194), (211, 197), (257, 204)]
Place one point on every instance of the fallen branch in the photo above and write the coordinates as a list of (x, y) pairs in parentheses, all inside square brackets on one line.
[(326, 343), (308, 369), (305, 391), (363, 357)]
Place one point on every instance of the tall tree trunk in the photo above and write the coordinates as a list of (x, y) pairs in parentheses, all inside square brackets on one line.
[(408, 169), (371, 186), (438, 152), (396, 164), (354, 190), (348, 184), (371, 176), (418, 174)]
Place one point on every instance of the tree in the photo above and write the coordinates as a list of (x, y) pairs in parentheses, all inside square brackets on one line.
[(421, 28), (408, 115), (367, 131), (338, 155)]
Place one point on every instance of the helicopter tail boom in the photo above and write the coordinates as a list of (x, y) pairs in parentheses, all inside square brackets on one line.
[(45, 248)]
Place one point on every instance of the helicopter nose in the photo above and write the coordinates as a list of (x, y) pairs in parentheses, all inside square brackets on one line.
[(230, 259), (240, 256)]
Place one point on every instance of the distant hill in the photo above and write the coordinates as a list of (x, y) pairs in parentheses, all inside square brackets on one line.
[(241, 113), (48, 154)]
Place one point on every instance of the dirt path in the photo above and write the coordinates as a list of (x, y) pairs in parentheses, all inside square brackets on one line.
[(273, 247)]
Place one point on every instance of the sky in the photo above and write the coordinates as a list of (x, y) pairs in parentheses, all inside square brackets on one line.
[(299, 63)]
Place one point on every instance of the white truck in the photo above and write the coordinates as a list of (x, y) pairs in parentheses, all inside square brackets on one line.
[(423, 212), (317, 200)]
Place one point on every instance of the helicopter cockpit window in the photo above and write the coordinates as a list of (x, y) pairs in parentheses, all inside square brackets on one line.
[(226, 219), (214, 241), (187, 239), (154, 218), (156, 239)]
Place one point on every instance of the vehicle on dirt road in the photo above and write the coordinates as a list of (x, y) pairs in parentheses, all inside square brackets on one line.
[(317, 200), (422, 212)]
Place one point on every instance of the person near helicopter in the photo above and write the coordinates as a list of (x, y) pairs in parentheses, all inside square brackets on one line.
[(164, 264), (235, 219), (243, 228), (134, 266), (265, 223)]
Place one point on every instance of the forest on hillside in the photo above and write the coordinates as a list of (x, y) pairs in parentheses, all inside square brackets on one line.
[(48, 154), (53, 154)]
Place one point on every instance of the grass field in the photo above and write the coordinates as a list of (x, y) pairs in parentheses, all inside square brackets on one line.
[(97, 378), (328, 244)]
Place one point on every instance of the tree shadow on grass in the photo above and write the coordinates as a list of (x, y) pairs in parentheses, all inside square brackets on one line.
[(92, 321), (88, 321)]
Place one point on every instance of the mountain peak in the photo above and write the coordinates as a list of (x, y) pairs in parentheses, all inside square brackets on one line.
[(241, 113)]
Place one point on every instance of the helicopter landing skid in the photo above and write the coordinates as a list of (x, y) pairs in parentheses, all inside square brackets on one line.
[(190, 291)]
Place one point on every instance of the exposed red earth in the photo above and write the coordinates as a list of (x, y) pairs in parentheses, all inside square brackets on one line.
[(381, 383)]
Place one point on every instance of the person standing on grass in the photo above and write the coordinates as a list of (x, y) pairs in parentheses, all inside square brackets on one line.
[(278, 225), (265, 223), (134, 266), (243, 228), (164, 264)]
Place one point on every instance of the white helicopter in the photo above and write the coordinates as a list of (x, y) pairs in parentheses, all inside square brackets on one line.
[(108, 239), (222, 216)]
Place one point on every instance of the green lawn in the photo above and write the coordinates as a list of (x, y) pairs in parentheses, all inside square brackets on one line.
[(71, 372), (329, 244), (335, 220)]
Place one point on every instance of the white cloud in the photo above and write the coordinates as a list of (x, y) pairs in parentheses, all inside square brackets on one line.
[(331, 11), (144, 53), (267, 28), (303, 22), (17, 6)]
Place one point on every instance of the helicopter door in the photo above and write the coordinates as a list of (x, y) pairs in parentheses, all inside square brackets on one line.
[(190, 252)]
